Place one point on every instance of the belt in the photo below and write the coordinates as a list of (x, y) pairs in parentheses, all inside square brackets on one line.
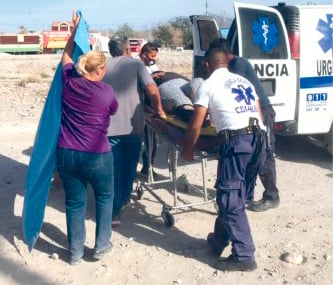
[(244, 131)]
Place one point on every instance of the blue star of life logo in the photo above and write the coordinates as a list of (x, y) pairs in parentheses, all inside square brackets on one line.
[(243, 94), (326, 28), (265, 34)]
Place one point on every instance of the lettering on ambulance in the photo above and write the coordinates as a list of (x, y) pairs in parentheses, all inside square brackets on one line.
[(244, 94), (271, 70), (324, 67), (316, 102)]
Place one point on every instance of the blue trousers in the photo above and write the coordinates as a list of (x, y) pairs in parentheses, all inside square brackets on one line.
[(76, 170), (267, 173), (126, 152), (238, 167)]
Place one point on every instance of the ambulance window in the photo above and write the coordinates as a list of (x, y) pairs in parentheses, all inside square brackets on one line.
[(207, 33), (262, 35)]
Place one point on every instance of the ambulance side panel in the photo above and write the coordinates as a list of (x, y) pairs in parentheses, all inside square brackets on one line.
[(315, 111), (263, 39)]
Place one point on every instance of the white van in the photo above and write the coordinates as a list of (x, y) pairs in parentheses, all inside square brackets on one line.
[(290, 48)]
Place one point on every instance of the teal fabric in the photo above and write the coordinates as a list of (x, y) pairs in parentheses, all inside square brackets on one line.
[(43, 158)]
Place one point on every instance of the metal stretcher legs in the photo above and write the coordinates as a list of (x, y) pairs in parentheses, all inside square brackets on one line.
[(173, 153)]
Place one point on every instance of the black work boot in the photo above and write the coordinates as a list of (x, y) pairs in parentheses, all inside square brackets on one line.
[(262, 205), (231, 264), (216, 247)]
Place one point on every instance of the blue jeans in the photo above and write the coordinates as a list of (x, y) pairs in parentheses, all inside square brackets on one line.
[(76, 170), (126, 152)]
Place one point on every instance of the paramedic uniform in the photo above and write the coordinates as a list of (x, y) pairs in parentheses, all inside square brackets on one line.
[(231, 102), (267, 173)]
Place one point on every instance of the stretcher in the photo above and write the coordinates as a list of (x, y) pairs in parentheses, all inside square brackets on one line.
[(172, 131)]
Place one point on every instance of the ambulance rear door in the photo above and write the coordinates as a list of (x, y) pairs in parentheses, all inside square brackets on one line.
[(260, 35), (204, 30)]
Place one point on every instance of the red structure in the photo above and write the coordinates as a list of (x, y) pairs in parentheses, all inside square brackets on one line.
[(56, 39)]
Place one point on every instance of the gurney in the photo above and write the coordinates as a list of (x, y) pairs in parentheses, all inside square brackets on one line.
[(172, 130)]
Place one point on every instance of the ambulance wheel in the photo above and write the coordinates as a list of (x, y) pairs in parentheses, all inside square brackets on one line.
[(168, 218), (139, 192)]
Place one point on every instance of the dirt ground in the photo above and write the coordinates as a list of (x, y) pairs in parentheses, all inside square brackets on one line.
[(146, 251)]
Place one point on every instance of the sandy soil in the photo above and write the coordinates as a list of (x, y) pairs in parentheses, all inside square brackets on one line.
[(145, 250)]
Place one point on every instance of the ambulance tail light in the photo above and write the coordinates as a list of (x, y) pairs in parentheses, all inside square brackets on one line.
[(294, 44), (290, 15), (286, 128)]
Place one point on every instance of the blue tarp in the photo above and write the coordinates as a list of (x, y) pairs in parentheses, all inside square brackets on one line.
[(43, 158)]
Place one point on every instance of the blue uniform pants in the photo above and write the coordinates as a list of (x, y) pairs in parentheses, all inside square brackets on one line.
[(126, 152), (238, 166), (267, 173)]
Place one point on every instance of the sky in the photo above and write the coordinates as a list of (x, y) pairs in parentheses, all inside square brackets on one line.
[(38, 15)]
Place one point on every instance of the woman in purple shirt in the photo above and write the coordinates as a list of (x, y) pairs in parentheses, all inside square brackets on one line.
[(84, 153)]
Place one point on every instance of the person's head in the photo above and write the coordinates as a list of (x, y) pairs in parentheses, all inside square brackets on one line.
[(119, 45), (92, 65), (215, 58), (221, 44), (148, 54)]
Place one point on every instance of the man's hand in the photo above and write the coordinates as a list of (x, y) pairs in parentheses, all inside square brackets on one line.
[(193, 131), (158, 74), (161, 114)]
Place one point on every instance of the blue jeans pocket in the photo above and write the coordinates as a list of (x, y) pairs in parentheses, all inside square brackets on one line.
[(94, 161)]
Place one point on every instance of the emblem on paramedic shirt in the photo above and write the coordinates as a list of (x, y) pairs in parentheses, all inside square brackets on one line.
[(243, 94), (326, 28), (265, 34)]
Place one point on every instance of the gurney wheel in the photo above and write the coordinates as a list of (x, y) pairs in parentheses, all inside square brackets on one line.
[(139, 192), (168, 218)]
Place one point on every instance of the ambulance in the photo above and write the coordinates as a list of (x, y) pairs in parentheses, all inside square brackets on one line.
[(290, 47)]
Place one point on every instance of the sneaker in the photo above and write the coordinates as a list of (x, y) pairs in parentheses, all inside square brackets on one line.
[(75, 261), (215, 246), (99, 254), (262, 205), (230, 264)]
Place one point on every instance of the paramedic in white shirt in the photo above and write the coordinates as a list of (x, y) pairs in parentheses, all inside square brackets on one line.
[(234, 109)]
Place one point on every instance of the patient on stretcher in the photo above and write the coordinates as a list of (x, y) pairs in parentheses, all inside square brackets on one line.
[(177, 93)]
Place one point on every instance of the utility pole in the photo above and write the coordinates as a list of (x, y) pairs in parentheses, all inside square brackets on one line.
[(206, 7)]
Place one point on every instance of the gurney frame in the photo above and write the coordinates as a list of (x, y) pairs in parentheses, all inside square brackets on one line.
[(173, 153)]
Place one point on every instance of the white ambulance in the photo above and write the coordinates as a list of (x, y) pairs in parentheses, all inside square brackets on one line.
[(290, 48)]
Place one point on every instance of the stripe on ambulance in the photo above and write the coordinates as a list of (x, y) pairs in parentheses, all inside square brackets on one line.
[(316, 82)]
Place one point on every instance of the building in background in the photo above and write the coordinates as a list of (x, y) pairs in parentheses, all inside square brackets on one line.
[(55, 40)]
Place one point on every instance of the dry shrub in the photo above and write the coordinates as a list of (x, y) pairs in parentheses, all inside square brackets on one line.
[(31, 79), (44, 75)]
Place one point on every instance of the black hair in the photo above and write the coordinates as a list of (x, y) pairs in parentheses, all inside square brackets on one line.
[(148, 47), (117, 44), (222, 44)]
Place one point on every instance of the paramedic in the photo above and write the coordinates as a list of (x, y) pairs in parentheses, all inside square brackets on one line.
[(129, 79), (234, 109), (83, 151), (148, 55), (267, 173)]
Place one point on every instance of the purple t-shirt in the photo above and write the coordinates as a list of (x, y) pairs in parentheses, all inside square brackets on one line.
[(86, 109)]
